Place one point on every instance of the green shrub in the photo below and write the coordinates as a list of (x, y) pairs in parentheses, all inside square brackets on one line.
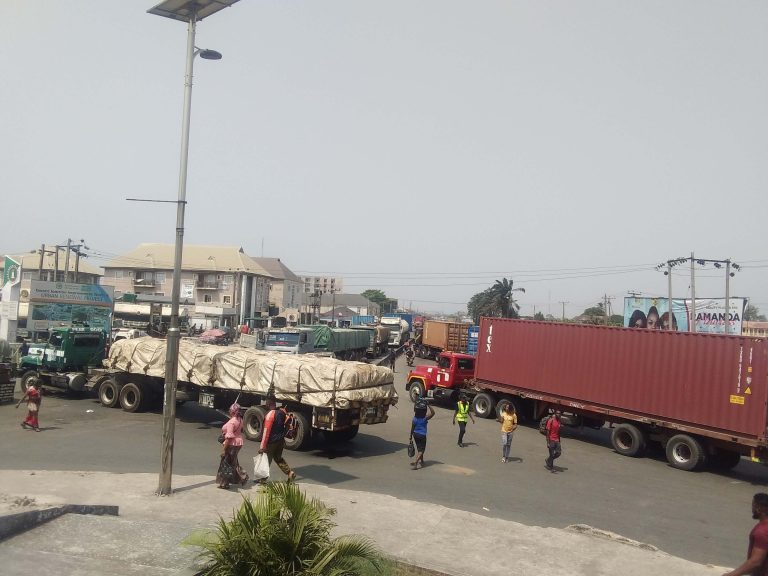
[(283, 533)]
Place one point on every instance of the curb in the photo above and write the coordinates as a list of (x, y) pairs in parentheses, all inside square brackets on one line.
[(14, 524)]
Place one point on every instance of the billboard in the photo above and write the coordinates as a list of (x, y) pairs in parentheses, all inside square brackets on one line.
[(653, 313), (9, 299), (65, 304)]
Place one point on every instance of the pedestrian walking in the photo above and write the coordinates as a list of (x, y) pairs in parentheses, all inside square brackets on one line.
[(508, 419), (392, 358), (230, 470), (462, 415), (273, 437), (422, 412), (756, 563), (553, 440), (33, 399)]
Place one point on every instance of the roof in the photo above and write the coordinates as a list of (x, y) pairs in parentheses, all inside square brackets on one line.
[(276, 269), (202, 258), (344, 300), (339, 311), (31, 261)]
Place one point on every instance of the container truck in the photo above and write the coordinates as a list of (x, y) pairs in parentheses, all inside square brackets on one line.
[(438, 336), (325, 394), (701, 397)]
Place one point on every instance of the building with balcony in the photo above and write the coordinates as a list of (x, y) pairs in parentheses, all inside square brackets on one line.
[(286, 290), (322, 284), (220, 285)]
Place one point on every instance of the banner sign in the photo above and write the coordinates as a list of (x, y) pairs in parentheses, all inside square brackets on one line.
[(11, 272), (64, 304), (9, 295), (653, 314)]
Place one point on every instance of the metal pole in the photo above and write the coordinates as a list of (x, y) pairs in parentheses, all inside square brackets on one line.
[(40, 267), (692, 323), (56, 264), (669, 287), (66, 261), (727, 295), (172, 338), (77, 263)]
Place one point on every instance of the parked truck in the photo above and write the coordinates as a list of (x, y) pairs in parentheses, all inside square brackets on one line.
[(325, 394), (378, 339), (438, 336), (702, 397), (399, 328), (64, 361), (341, 343)]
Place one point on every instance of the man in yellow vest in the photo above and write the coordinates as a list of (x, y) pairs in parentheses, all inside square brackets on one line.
[(461, 415)]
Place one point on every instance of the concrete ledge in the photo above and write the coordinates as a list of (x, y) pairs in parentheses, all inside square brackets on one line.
[(13, 524)]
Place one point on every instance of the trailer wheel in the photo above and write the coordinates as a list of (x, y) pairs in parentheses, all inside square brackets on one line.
[(303, 433), (131, 397), (27, 378), (253, 422), (724, 459), (483, 405), (685, 452), (109, 393), (628, 440), (416, 391)]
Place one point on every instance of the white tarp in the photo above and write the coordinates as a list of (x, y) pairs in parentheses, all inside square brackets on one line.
[(306, 378)]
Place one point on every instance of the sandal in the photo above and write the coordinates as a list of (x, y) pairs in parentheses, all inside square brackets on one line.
[(292, 476), (244, 480)]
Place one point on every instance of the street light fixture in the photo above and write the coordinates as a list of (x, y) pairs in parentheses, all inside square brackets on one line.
[(189, 11)]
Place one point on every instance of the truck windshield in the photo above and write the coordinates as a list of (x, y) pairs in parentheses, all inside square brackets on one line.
[(55, 339), (86, 341), (466, 364), (282, 339)]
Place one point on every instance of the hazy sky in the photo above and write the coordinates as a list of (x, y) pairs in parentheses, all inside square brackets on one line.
[(422, 147)]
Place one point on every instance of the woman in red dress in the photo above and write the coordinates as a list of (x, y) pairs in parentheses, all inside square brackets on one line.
[(33, 398)]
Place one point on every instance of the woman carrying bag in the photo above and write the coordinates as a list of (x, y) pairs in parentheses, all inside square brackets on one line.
[(232, 441), (422, 412), (33, 398)]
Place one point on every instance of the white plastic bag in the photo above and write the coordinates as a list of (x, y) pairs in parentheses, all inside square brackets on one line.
[(260, 467)]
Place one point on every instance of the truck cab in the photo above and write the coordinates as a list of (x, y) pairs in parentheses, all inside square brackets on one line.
[(290, 340), (441, 382), (63, 361)]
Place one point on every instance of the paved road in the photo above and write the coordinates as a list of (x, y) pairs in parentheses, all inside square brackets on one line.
[(703, 517)]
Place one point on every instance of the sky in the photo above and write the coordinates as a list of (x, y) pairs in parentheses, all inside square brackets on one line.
[(422, 147)]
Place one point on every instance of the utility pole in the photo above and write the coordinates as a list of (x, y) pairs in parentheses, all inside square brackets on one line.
[(40, 267), (727, 295), (564, 303), (66, 261), (692, 323), (669, 294)]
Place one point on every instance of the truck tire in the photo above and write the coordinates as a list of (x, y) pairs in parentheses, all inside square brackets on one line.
[(253, 422), (131, 397), (483, 405), (27, 378), (303, 433), (685, 452), (109, 393), (724, 459), (628, 440), (416, 390)]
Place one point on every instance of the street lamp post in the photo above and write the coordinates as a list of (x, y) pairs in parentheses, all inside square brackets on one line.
[(190, 11)]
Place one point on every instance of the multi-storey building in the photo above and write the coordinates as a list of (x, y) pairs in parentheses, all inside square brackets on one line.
[(322, 284), (286, 292), (220, 285)]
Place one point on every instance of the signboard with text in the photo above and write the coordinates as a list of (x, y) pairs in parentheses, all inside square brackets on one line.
[(65, 304), (652, 313)]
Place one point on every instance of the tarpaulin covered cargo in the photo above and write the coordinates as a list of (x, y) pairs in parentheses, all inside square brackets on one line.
[(338, 339), (306, 379), (715, 382)]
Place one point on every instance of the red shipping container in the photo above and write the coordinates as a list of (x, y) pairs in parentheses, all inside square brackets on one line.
[(713, 382)]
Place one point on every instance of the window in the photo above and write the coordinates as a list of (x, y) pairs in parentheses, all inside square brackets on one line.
[(159, 293), (227, 299), (118, 273), (207, 298), (159, 278), (466, 364), (26, 275)]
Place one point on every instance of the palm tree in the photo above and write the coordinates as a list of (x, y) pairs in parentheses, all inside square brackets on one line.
[(283, 532), (502, 291)]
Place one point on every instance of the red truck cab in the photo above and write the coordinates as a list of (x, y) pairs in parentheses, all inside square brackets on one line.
[(441, 382)]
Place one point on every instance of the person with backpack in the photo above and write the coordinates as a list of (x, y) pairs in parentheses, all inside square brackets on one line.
[(276, 425), (462, 415), (552, 432)]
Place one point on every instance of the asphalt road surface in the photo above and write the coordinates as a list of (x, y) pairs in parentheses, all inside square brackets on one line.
[(704, 517)]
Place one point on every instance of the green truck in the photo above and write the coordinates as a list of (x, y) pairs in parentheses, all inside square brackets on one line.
[(341, 343), (64, 360)]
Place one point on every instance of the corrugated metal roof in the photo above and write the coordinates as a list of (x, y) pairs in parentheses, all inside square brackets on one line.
[(196, 258), (276, 269)]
